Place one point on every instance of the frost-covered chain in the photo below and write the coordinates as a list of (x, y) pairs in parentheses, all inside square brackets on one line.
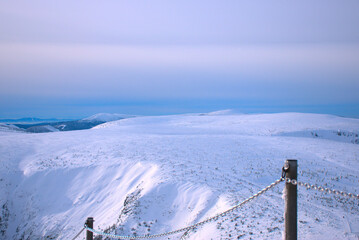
[(78, 233), (322, 189), (193, 226)]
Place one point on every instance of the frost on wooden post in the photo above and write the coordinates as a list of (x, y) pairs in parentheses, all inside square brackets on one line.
[(284, 197)]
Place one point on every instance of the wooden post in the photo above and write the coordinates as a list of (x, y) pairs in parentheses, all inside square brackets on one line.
[(89, 223), (290, 215)]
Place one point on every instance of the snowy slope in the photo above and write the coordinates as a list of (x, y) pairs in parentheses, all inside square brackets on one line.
[(153, 174)]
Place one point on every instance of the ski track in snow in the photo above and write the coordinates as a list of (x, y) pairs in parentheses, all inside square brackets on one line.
[(153, 174)]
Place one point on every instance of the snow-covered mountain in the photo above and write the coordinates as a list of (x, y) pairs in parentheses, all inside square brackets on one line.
[(9, 128), (107, 117), (153, 174), (42, 129)]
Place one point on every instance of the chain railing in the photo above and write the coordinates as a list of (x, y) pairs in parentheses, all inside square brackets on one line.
[(79, 233), (190, 227), (321, 189)]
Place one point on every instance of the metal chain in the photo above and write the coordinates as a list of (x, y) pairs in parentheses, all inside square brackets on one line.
[(79, 233), (321, 189), (193, 226)]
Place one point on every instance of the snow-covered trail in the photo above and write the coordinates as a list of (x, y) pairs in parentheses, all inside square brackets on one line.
[(153, 174)]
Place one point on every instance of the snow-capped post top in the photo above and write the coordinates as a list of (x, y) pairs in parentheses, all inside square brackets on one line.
[(290, 213)]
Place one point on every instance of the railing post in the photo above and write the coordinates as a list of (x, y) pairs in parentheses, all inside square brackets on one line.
[(89, 223), (290, 215)]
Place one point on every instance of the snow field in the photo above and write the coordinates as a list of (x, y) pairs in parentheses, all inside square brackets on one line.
[(153, 174)]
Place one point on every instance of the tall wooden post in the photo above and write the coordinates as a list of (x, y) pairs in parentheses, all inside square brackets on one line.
[(290, 215), (89, 223)]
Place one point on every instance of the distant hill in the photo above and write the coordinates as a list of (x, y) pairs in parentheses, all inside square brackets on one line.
[(42, 129)]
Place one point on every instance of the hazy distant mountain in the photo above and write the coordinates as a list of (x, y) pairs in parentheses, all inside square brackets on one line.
[(58, 126), (31, 120), (51, 126)]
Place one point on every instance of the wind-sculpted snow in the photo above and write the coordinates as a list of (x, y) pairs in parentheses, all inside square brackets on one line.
[(154, 174)]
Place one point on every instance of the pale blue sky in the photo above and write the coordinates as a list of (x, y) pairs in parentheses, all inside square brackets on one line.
[(77, 58)]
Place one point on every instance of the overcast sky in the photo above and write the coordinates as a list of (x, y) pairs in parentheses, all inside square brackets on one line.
[(72, 59)]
